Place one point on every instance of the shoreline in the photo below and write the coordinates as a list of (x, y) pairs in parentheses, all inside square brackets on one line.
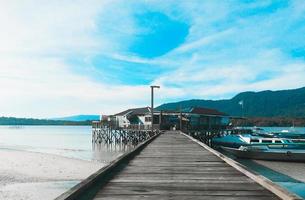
[(23, 173)]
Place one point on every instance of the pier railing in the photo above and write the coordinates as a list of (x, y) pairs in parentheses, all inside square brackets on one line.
[(108, 132)]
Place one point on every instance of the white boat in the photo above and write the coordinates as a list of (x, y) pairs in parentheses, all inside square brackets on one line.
[(266, 153)]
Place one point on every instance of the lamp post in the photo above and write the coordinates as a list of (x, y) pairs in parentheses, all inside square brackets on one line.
[(152, 105)]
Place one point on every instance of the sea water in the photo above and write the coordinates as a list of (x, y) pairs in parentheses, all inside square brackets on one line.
[(68, 141), (279, 129)]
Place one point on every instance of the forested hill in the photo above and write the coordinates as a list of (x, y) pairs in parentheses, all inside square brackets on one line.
[(282, 103)]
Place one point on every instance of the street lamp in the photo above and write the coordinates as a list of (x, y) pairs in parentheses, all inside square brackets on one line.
[(152, 105)]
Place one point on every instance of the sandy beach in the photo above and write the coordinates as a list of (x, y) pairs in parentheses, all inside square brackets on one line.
[(35, 176)]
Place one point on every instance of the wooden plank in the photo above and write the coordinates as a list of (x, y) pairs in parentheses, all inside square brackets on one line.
[(181, 197), (175, 167), (173, 197), (123, 191), (172, 187)]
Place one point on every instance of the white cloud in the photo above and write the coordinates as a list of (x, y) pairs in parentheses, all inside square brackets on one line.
[(49, 27), (202, 41), (268, 70), (223, 54), (52, 90), (228, 54), (36, 40)]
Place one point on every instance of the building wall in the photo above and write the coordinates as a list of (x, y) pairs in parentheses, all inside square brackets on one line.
[(122, 121), (144, 119), (139, 119)]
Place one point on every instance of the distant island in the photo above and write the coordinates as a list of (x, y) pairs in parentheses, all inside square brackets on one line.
[(11, 121), (78, 118)]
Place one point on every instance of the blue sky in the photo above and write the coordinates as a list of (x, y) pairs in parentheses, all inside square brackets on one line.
[(62, 57)]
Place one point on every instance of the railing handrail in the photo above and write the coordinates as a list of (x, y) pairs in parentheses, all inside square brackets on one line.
[(100, 124)]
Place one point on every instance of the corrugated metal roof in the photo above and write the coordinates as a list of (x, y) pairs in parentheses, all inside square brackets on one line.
[(192, 110), (207, 111), (198, 110), (135, 111)]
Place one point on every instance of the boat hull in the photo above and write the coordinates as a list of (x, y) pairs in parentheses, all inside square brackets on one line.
[(283, 155)]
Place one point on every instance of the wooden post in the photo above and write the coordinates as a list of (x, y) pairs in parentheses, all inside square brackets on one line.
[(180, 124), (152, 106), (160, 119)]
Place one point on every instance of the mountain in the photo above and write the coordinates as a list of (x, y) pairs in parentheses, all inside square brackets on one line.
[(78, 118), (282, 103)]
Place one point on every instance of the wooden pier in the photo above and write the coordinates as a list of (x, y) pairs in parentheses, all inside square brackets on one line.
[(175, 166)]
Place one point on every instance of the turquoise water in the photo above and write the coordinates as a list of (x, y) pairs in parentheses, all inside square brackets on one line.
[(293, 185), (68, 141), (278, 129)]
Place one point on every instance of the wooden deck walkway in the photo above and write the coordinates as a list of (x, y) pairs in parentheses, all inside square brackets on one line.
[(175, 167)]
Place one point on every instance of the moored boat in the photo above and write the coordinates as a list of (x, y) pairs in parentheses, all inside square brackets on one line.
[(258, 136), (266, 153), (280, 146)]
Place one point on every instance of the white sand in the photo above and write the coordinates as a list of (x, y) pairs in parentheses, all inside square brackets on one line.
[(35, 176), (292, 169)]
